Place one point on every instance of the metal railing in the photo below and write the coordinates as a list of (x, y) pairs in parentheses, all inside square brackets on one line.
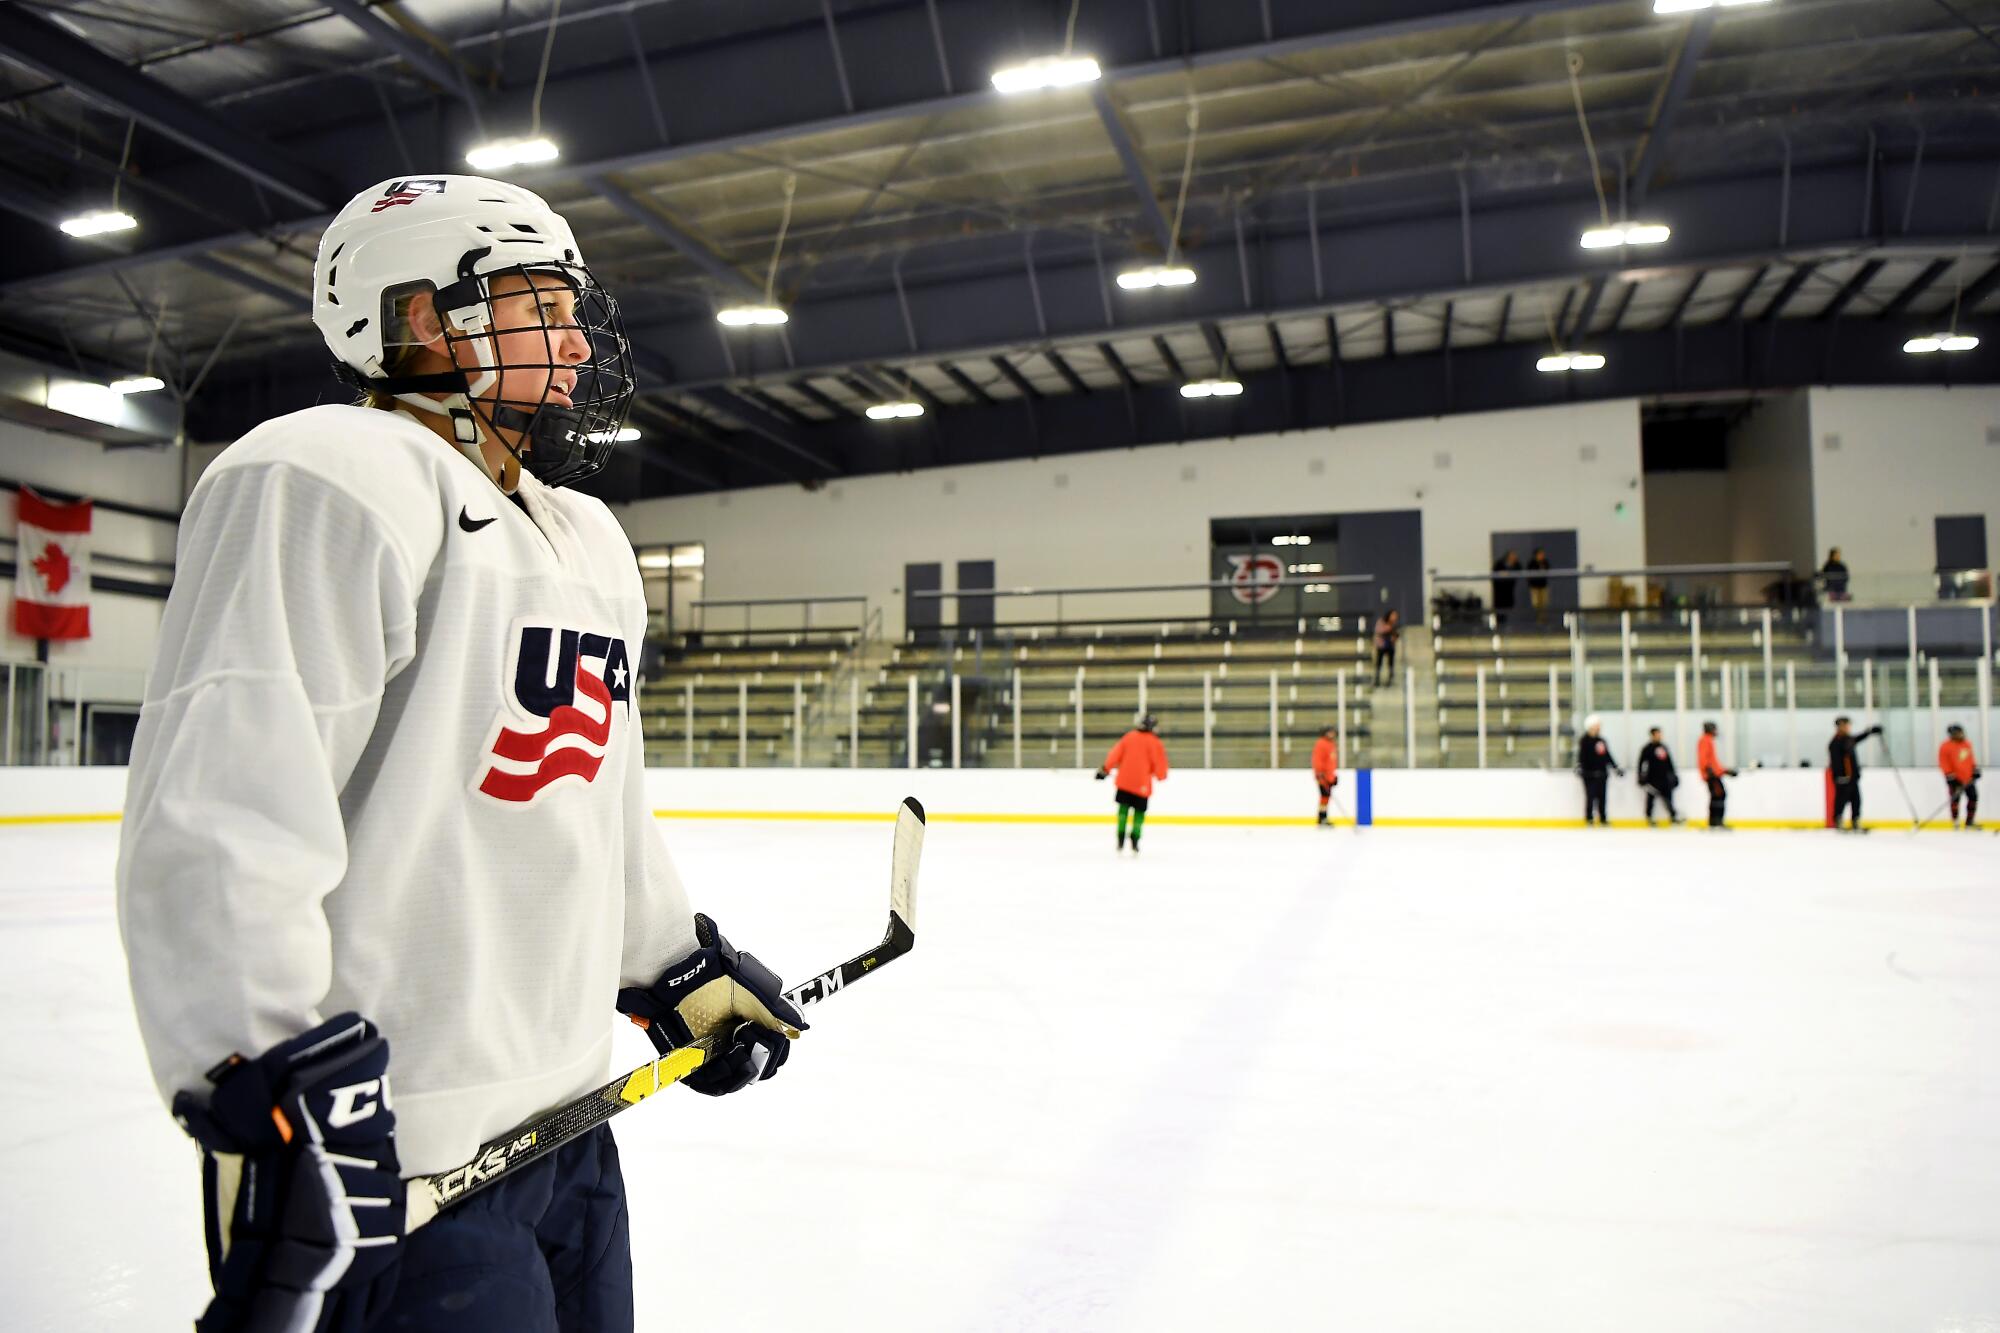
[(1500, 705), (921, 710), (1254, 594), (59, 715), (803, 605)]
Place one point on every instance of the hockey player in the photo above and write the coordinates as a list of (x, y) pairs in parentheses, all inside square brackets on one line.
[(1326, 767), (1594, 764), (1961, 775), (1139, 759), (1710, 766), (1657, 777), (1843, 769), (387, 792)]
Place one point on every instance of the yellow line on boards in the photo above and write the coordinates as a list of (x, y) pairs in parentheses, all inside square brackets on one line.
[(1187, 821), (1229, 821), (111, 818)]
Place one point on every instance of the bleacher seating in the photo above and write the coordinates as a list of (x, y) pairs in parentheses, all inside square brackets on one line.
[(1519, 664)]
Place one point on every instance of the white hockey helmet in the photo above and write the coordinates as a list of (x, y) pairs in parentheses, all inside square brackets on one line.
[(452, 236)]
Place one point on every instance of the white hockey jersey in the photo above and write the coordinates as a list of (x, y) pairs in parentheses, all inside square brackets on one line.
[(389, 760)]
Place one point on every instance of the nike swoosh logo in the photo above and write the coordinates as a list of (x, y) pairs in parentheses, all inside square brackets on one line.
[(469, 523)]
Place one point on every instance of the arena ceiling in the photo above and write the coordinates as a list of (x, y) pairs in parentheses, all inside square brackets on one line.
[(1384, 205)]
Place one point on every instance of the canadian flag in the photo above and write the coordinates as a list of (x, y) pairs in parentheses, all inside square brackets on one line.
[(52, 569)]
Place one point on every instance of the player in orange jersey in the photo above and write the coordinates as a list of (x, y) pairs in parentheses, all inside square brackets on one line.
[(1961, 774), (1326, 768), (1712, 771), (1139, 759)]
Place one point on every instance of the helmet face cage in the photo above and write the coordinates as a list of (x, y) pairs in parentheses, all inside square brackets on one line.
[(560, 445)]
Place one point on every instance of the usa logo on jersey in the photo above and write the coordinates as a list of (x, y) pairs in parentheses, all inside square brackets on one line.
[(556, 722)]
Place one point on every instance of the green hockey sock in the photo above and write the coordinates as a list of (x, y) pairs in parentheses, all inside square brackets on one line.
[(1123, 811), (1138, 823)]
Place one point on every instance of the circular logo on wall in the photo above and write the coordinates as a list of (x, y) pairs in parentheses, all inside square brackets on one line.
[(1254, 578)]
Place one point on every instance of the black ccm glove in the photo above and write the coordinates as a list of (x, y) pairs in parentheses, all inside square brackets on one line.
[(716, 991), (302, 1188)]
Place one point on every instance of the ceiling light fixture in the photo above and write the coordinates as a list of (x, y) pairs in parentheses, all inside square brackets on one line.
[(1563, 362), (98, 223), (498, 154), (1940, 342), (1156, 275), (1064, 71), (137, 384), (1211, 389), (1615, 234), (768, 311), (743, 316), (1691, 6), (892, 411), (534, 147), (1172, 273)]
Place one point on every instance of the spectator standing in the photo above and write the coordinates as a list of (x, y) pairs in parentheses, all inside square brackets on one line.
[(1538, 587), (1387, 630), (1506, 572), (1833, 576)]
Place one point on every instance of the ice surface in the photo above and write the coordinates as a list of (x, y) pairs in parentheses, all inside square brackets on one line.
[(1253, 1079)]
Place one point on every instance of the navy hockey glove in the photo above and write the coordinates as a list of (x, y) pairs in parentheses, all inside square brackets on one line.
[(716, 991), (303, 1192)]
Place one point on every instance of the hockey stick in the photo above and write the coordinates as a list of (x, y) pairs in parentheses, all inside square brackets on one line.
[(428, 1195), (1889, 762), (1334, 796)]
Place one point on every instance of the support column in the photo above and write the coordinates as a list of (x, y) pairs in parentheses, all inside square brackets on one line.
[(1728, 723), (1680, 710), (1208, 719), (1479, 707), (1274, 719), (1791, 717), (1937, 704), (1916, 750), (1694, 656), (1017, 717), (1409, 717), (1625, 672), (1555, 718), (1079, 717), (1340, 715), (1769, 673), (1839, 657)]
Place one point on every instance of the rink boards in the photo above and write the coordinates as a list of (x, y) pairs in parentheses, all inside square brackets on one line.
[(1387, 798)]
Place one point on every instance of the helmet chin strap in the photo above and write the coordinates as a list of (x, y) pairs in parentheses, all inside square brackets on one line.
[(468, 434), (468, 431)]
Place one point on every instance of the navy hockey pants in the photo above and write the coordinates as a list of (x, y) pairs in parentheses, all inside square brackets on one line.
[(545, 1251)]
